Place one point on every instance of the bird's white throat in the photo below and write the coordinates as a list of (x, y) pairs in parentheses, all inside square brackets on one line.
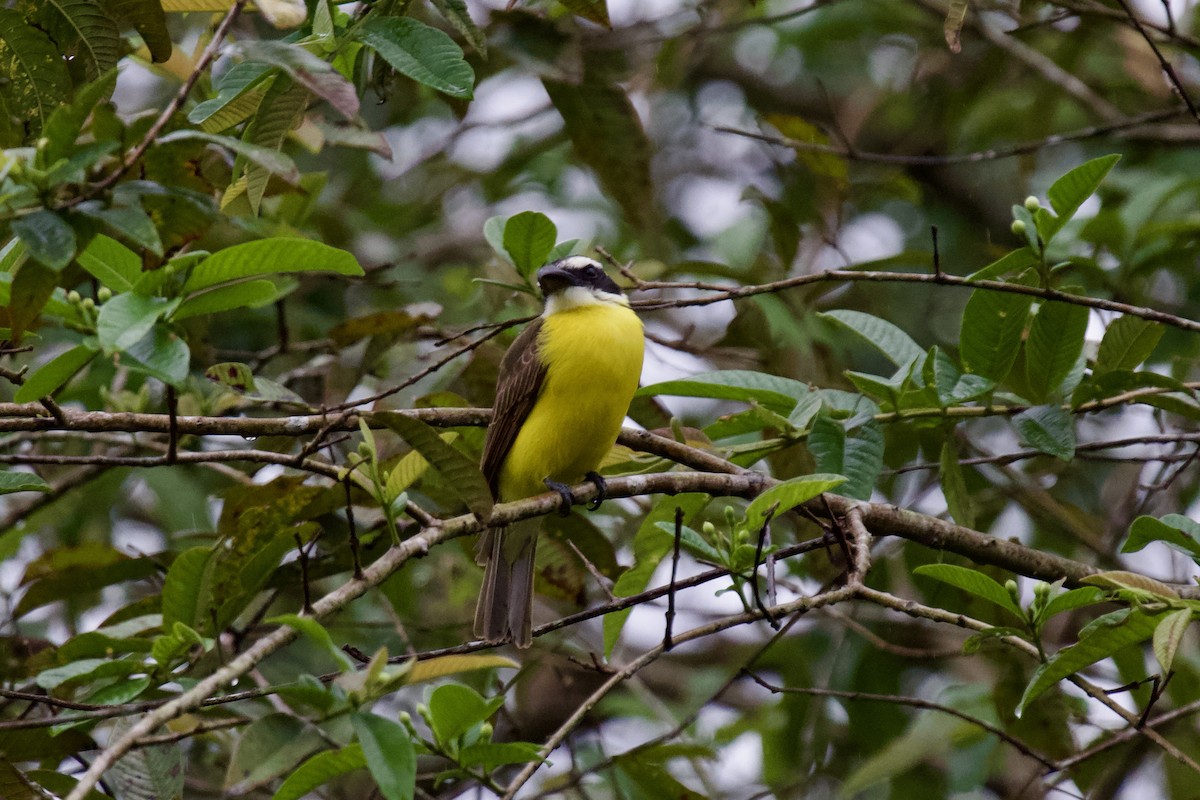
[(580, 296)]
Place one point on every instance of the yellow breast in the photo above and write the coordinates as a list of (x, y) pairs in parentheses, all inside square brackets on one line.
[(593, 358)]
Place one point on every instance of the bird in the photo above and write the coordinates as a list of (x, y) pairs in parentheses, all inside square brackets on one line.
[(563, 390)]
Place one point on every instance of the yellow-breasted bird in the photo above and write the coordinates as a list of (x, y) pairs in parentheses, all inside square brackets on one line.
[(565, 385)]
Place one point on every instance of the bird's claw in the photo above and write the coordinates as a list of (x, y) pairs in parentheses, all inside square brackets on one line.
[(601, 490), (564, 493)]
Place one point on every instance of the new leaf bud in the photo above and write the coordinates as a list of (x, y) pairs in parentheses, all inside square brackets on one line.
[(1013, 590)]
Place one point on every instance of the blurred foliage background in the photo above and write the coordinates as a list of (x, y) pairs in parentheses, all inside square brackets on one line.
[(230, 224)]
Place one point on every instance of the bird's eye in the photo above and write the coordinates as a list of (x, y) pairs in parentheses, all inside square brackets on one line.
[(591, 272)]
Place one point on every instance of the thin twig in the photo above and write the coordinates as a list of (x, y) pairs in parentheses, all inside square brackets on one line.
[(949, 159), (1168, 70), (670, 616), (764, 535), (135, 154), (913, 702)]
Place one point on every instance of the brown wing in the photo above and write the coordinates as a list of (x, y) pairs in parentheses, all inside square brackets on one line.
[(517, 388)]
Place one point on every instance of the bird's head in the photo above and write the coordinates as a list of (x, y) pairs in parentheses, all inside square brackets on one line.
[(577, 281)]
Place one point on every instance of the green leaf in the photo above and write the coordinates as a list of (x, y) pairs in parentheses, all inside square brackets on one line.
[(73, 580), (281, 109), (1134, 585), (952, 385), (490, 755), (269, 158), (155, 771), (270, 746), (885, 337), (389, 754), (111, 263), (456, 13), (974, 582), (776, 393), (425, 54), (1054, 345), (857, 455), (171, 648), (954, 485), (33, 287), (593, 10), (316, 633), (48, 238), (992, 325), (235, 375), (66, 121), (694, 543), (320, 769), (22, 482), (248, 294), (128, 317), (50, 780), (1013, 263), (493, 233), (85, 670), (454, 709), (184, 595), (529, 238), (460, 472), (1050, 429), (270, 257), (131, 222), (148, 19), (607, 135), (1100, 639), (787, 495), (309, 70), (47, 378), (407, 471), (1071, 600), (434, 668), (1127, 342), (1070, 191), (81, 27), (1174, 530), (931, 736), (162, 355), (1167, 636), (240, 80), (37, 78)]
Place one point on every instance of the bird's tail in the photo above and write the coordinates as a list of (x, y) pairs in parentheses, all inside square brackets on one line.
[(505, 610)]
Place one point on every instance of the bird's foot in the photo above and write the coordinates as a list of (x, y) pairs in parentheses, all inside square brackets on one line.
[(601, 490), (564, 492)]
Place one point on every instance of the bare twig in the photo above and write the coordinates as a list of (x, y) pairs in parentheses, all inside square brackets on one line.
[(913, 702), (1168, 70), (670, 616), (137, 151)]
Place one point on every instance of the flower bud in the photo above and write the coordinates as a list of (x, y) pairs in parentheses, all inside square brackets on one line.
[(89, 304), (1032, 204), (73, 297), (1018, 227), (104, 294)]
